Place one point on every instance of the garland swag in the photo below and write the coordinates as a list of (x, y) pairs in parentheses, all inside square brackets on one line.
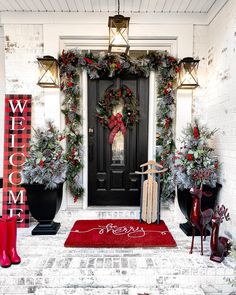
[(100, 66)]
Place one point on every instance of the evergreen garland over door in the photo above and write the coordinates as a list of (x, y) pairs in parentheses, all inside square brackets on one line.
[(111, 167)]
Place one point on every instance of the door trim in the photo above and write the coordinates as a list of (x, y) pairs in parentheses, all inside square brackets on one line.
[(151, 127), (84, 87)]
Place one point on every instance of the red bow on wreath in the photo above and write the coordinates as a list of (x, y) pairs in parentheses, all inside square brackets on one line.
[(116, 124)]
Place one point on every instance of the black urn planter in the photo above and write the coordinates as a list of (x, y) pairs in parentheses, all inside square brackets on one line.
[(185, 204), (43, 206)]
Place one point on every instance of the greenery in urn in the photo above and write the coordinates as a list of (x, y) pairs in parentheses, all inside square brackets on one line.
[(195, 164), (45, 163)]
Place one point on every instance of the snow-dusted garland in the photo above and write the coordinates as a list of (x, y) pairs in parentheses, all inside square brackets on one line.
[(101, 66)]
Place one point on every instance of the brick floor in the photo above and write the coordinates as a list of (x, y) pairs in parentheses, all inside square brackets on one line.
[(48, 268)]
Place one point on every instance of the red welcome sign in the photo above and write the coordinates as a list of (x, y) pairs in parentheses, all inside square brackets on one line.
[(16, 143)]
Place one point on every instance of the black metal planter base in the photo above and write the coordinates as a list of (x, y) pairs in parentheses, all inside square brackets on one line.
[(187, 229), (46, 228)]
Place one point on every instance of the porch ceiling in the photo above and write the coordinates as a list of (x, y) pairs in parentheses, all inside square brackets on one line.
[(126, 6)]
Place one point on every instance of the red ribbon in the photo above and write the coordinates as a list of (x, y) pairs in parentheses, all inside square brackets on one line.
[(167, 121), (116, 124), (195, 132)]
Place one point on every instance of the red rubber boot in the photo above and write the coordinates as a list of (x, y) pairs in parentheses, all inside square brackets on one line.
[(4, 259), (11, 241)]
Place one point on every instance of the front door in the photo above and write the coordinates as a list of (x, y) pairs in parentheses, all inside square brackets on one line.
[(111, 167)]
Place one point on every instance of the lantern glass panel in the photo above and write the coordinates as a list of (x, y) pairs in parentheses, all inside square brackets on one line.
[(118, 34), (187, 78), (48, 72)]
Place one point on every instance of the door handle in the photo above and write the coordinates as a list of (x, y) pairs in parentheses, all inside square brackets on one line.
[(90, 152), (90, 143)]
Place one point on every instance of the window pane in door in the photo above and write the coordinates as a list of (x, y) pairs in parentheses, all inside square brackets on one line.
[(119, 141)]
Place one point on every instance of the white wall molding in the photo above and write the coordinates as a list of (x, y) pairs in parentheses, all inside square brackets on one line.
[(100, 18), (182, 33)]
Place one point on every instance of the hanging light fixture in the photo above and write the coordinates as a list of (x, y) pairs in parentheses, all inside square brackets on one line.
[(48, 72), (118, 32), (187, 78)]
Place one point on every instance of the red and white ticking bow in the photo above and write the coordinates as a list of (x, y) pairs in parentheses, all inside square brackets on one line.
[(116, 124)]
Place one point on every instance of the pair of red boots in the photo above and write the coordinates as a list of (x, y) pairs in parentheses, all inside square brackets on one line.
[(8, 253)]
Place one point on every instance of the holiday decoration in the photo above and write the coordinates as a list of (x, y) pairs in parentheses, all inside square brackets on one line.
[(150, 202), (199, 219), (195, 164), (43, 174), (119, 233), (45, 163), (16, 144), (220, 246), (117, 122), (101, 66), (185, 202)]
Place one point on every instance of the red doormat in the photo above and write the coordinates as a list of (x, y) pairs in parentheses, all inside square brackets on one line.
[(119, 233)]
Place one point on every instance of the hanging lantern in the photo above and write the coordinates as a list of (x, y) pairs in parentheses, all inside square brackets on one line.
[(118, 33), (48, 72), (187, 78)]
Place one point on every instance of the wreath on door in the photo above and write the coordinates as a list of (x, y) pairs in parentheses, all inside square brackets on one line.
[(119, 121)]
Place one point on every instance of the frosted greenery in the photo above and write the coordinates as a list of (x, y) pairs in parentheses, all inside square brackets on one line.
[(110, 66), (195, 164), (45, 163)]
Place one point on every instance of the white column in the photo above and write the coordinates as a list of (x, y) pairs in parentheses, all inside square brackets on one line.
[(52, 106), (183, 112), (84, 105), (152, 118), (183, 117)]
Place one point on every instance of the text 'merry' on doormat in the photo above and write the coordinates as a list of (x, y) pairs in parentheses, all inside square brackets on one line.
[(119, 233)]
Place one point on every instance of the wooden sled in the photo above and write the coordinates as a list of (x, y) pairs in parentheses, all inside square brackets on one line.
[(150, 192)]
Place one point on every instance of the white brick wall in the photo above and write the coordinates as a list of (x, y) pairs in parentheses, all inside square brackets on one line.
[(23, 44), (200, 51), (2, 93), (18, 74), (215, 102)]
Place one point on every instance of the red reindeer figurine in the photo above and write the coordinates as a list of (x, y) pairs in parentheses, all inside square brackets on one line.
[(220, 246), (199, 219)]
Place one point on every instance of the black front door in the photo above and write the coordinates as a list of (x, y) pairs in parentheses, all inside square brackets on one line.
[(111, 167)]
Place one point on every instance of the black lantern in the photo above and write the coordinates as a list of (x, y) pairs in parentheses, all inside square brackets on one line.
[(187, 78), (48, 72), (118, 32)]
